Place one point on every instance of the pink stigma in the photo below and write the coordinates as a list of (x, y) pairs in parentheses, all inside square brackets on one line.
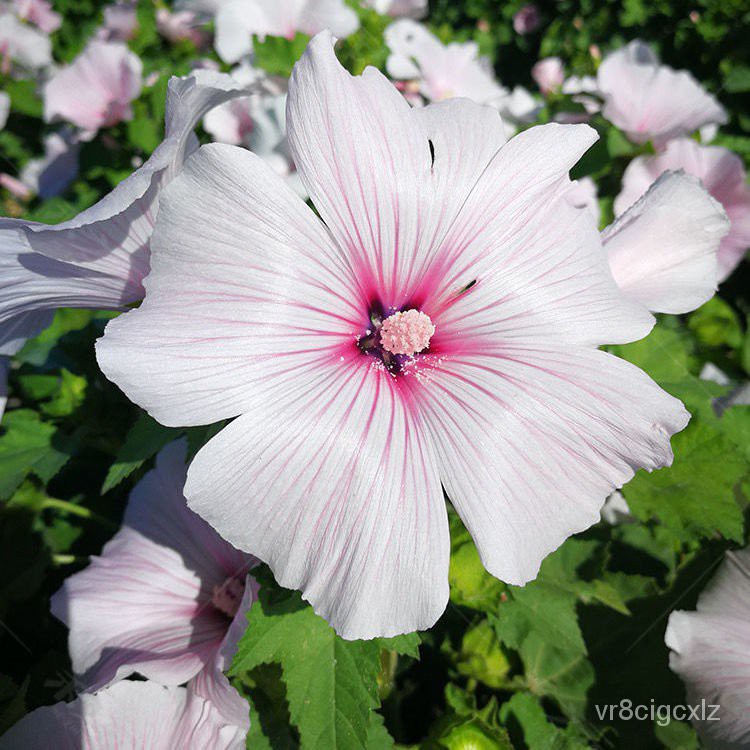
[(227, 597), (406, 332)]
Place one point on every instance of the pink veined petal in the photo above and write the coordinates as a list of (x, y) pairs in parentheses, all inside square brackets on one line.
[(711, 652), (650, 101), (521, 262), (341, 498), (145, 604), (662, 250), (132, 715), (211, 683), (365, 162), (532, 439), (722, 174), (137, 608), (99, 258), (236, 305), (387, 180)]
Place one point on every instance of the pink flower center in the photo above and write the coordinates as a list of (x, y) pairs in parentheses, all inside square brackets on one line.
[(406, 332), (227, 597)]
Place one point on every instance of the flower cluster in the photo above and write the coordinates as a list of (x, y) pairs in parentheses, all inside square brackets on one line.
[(394, 290)]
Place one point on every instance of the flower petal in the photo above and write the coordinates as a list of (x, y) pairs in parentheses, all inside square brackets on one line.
[(387, 179), (662, 250), (532, 440), (255, 291), (99, 258), (722, 174), (521, 261), (650, 101), (127, 715), (710, 652), (145, 604), (340, 496)]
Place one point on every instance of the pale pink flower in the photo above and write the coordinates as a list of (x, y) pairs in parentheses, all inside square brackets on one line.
[(549, 74), (723, 175), (40, 13), (127, 715), (167, 598), (51, 174), (333, 470), (527, 20), (238, 20), (180, 25), (99, 258), (711, 653), (120, 22), (445, 71), (96, 89), (650, 101), (398, 8), (22, 44)]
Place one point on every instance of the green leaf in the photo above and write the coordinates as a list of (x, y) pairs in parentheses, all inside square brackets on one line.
[(716, 324), (738, 80), (331, 683), (23, 97), (692, 498), (26, 447), (538, 732), (277, 55), (145, 439)]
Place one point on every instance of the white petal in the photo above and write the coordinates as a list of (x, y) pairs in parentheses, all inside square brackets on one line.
[(338, 491), (663, 250), (711, 652), (536, 261), (255, 274), (127, 715), (532, 440)]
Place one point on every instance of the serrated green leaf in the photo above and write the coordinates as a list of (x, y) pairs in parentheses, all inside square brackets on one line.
[(26, 447), (539, 733), (331, 683), (692, 498)]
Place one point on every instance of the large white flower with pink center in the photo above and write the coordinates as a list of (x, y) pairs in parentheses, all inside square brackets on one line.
[(711, 652), (127, 715), (494, 388), (96, 89), (721, 172), (650, 101), (167, 598), (99, 259), (237, 21)]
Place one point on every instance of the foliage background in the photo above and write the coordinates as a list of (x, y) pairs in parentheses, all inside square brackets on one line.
[(505, 666)]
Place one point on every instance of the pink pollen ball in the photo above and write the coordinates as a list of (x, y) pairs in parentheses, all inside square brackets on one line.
[(406, 332)]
